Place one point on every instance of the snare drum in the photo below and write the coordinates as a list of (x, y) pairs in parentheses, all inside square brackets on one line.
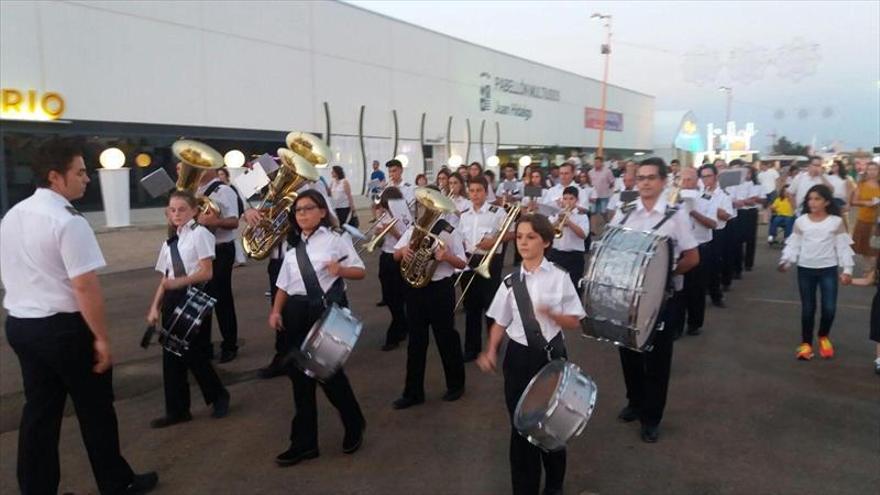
[(329, 343), (556, 405), (625, 286), (188, 317)]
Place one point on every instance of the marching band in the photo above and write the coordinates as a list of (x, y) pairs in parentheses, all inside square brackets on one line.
[(431, 239)]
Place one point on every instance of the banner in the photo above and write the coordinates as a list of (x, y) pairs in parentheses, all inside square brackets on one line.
[(593, 118)]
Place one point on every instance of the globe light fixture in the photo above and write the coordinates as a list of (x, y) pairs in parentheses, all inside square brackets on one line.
[(233, 159), (525, 161), (493, 161), (143, 160), (112, 158), (403, 159), (455, 161)]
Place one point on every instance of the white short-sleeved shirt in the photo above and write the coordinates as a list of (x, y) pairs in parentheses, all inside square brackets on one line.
[(44, 243), (749, 190), (194, 242), (548, 286), (390, 239), (677, 228), (323, 246), (406, 189), (768, 179), (801, 185), (838, 186), (227, 200), (569, 241), (720, 200), (512, 187), (475, 224), (454, 243), (614, 201), (555, 193), (704, 206)]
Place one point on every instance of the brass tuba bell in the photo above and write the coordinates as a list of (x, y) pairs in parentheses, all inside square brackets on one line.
[(418, 269), (195, 159)]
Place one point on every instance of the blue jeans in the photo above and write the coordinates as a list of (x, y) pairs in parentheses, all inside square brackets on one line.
[(779, 221), (809, 279)]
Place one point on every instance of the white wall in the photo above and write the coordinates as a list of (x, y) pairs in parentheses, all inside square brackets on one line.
[(271, 65)]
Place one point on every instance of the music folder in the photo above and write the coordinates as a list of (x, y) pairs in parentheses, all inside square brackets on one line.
[(157, 183)]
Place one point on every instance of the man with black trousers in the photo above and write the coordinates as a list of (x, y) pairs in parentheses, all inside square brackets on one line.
[(711, 253), (57, 327), (703, 218), (224, 227), (647, 373)]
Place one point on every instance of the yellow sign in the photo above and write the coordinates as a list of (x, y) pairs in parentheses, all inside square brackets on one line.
[(30, 105)]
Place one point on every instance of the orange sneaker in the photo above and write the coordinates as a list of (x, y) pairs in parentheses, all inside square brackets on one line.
[(826, 350), (805, 352)]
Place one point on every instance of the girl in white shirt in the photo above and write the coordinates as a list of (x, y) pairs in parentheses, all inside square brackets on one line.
[(340, 194), (195, 245), (819, 246), (556, 307), (296, 308)]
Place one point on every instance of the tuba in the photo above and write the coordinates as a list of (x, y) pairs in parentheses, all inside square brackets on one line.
[(195, 159), (418, 269), (258, 240)]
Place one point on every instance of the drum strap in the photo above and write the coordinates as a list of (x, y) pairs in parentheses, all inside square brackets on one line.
[(176, 260), (307, 272), (531, 326)]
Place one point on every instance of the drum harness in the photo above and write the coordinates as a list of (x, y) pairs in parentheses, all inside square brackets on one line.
[(532, 328)]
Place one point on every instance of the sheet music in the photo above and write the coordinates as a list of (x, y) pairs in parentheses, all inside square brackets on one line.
[(157, 183), (252, 181), (268, 163)]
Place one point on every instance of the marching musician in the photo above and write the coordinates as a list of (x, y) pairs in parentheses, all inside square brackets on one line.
[(57, 327), (714, 251), (647, 373), (442, 180), (458, 195), (553, 196), (312, 276), (225, 228), (392, 283), (533, 190), (478, 227), (554, 306), (395, 176), (509, 189), (703, 215), (568, 249), (185, 259), (433, 306), (273, 267)]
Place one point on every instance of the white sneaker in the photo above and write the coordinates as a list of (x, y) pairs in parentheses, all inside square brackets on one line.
[(770, 239)]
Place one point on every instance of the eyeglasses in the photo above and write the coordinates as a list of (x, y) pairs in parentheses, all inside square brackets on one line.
[(643, 178), (706, 176), (305, 209)]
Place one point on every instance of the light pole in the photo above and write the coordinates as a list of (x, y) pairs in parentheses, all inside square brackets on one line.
[(605, 50), (729, 91)]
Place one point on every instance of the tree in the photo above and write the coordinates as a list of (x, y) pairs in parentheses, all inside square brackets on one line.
[(783, 146)]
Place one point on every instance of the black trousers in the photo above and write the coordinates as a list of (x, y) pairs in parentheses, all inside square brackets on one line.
[(298, 317), (56, 358), (749, 233), (710, 259), (521, 363), (647, 373), (572, 262), (342, 215), (476, 302), (196, 360), (392, 293), (220, 287), (726, 248), (431, 306), (694, 292), (273, 268)]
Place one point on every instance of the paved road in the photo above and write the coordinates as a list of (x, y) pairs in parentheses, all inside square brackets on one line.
[(743, 415)]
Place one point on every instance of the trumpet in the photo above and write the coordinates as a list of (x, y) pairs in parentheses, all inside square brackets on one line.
[(561, 220), (483, 268)]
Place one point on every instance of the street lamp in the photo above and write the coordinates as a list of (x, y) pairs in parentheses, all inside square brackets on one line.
[(605, 50), (114, 188), (729, 91)]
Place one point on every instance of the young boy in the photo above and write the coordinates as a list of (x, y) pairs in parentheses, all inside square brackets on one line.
[(568, 249)]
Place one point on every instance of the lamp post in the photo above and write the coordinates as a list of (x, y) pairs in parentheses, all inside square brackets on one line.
[(729, 91), (114, 188), (606, 50)]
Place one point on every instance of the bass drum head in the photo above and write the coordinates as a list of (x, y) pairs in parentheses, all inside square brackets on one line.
[(539, 397), (653, 291)]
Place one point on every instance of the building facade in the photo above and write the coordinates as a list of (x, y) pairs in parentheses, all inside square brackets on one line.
[(239, 75)]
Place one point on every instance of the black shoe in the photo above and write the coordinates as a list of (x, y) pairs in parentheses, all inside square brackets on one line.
[(294, 455), (354, 439), (470, 356), (694, 331), (381, 303), (718, 303), (221, 406), (390, 346), (738, 276), (226, 356), (748, 268), (405, 402), (165, 421), (274, 369), (628, 414), (725, 288), (453, 395), (141, 483), (552, 491), (650, 433)]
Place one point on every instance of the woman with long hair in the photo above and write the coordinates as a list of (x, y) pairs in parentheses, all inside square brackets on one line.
[(340, 193), (820, 247)]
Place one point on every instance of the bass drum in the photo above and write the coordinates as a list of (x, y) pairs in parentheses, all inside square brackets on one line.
[(555, 406), (329, 343), (625, 286)]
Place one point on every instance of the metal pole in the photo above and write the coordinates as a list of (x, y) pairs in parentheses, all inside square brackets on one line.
[(606, 49)]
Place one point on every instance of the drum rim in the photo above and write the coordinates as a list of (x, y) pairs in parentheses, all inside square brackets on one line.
[(552, 404)]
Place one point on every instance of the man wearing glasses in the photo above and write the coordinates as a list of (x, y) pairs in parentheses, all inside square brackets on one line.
[(647, 373), (723, 207)]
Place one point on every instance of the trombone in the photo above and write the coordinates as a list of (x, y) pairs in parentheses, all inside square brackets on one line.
[(483, 268), (370, 245)]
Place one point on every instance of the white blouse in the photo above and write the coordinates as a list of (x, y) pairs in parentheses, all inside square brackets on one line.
[(819, 244), (194, 243)]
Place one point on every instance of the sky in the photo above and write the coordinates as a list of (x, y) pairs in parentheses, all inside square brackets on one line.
[(809, 71)]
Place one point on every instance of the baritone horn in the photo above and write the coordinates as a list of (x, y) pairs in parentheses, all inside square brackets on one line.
[(419, 268), (195, 158)]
